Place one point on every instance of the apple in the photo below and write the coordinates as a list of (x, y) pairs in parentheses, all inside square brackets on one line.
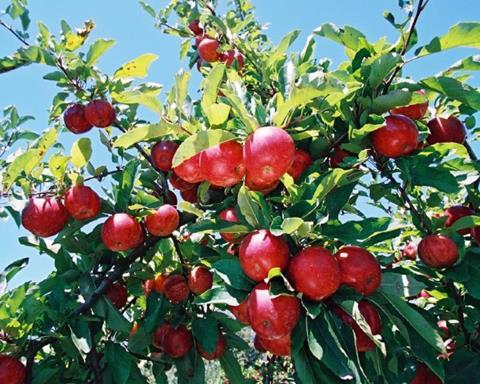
[(222, 165), (257, 343), (194, 26), (162, 154), (241, 312), (177, 341), (163, 221), (279, 347), (398, 137), (231, 56), (122, 232), (12, 371), (443, 328), (74, 119), (189, 170), (118, 295), (438, 251), (175, 288), (180, 184), (424, 376), (314, 271), (457, 212), (264, 189), (200, 280), (446, 130), (219, 350), (172, 198), (155, 284), (424, 294), (158, 337), (260, 251), (230, 215), (359, 269), (44, 216), (301, 161), (338, 156), (268, 154), (410, 251), (190, 195), (413, 111), (208, 49), (272, 317), (82, 202), (475, 232), (100, 113), (134, 329)]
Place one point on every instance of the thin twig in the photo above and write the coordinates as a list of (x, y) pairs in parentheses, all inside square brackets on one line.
[(33, 348), (95, 361), (15, 33)]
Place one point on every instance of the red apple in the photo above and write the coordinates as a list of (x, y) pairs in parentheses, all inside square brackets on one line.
[(158, 337), (457, 212), (443, 328), (272, 317), (189, 170), (398, 137), (279, 347), (44, 216), (260, 251), (446, 130), (200, 280), (12, 371), (176, 289), (301, 161), (74, 118), (425, 376), (413, 111), (100, 113), (438, 251), (359, 269), (122, 232), (180, 184), (155, 284), (134, 329), (231, 56), (475, 232), (230, 215), (315, 272), (222, 165), (264, 189), (219, 350), (410, 251), (194, 26), (177, 341), (190, 195), (257, 343), (241, 312), (163, 222), (82, 202), (162, 154), (268, 154), (338, 156), (118, 295), (208, 50)]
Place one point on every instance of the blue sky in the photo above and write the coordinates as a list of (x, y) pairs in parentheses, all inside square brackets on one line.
[(135, 34)]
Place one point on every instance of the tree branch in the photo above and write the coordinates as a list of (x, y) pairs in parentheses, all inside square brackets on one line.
[(15, 33), (33, 348)]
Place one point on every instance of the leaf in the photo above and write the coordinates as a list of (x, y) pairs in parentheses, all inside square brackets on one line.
[(400, 285), (381, 67), (230, 271), (282, 47), (80, 335), (127, 181), (240, 110), (13, 268), (81, 152), (190, 369), (145, 133), (453, 89), (352, 39), (211, 85), (471, 63), (136, 68), (205, 331), (303, 367), (214, 226), (97, 49), (57, 165), (232, 368), (217, 114), (248, 208), (200, 141), (355, 231), (148, 99), (181, 87), (120, 359)]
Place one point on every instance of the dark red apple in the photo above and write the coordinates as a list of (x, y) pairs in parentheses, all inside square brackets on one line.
[(180, 184), (413, 111), (122, 232), (257, 343), (208, 50), (398, 137), (241, 312), (264, 189), (230, 215), (100, 113), (338, 156), (446, 130), (12, 371), (177, 341), (44, 216), (457, 212), (438, 251), (118, 295), (219, 350), (189, 170), (194, 26), (163, 221), (279, 347), (158, 337), (200, 280), (232, 56), (424, 376), (162, 154), (301, 161), (175, 288), (190, 195), (82, 202), (74, 118), (155, 284), (475, 232)]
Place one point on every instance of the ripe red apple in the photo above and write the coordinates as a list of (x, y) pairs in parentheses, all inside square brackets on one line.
[(413, 111), (82, 202), (194, 26), (222, 165), (12, 371), (158, 337), (424, 376), (410, 251), (264, 189), (338, 156), (230, 215), (172, 199), (315, 272), (268, 153), (177, 341), (359, 269), (100, 113), (241, 312), (301, 161), (219, 350), (475, 232), (257, 343), (118, 295), (162, 154), (122, 232), (446, 130), (457, 212), (279, 347), (180, 184), (189, 170), (175, 288), (200, 280), (190, 195), (231, 56), (74, 118), (208, 49), (438, 251), (163, 221), (272, 317), (398, 137), (261, 251), (44, 216), (155, 284)]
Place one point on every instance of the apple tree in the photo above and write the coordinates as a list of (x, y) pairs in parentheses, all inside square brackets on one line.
[(326, 217)]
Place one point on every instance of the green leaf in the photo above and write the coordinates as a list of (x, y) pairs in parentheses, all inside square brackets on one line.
[(471, 63), (181, 87), (355, 231), (279, 52), (400, 285), (214, 226), (231, 273), (352, 39), (303, 367), (57, 165), (453, 89), (205, 331), (190, 369), (240, 110), (231, 367), (217, 114), (147, 98), (248, 208), (81, 152), (97, 49), (145, 132), (211, 85), (136, 68), (381, 67), (127, 182), (120, 359)]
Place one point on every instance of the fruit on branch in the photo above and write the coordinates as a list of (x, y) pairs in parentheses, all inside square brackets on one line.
[(446, 130), (230, 215), (371, 316), (219, 350), (222, 165), (12, 371), (257, 343), (232, 56), (272, 317), (180, 184), (175, 288), (314, 271), (177, 341), (457, 212), (438, 251), (337, 157), (264, 189), (163, 221), (476, 234), (190, 195), (413, 111), (74, 119), (268, 154), (200, 280), (301, 161), (117, 294), (423, 375), (398, 137), (240, 311), (208, 49), (194, 26), (260, 251), (189, 170), (279, 347), (122, 232), (45, 216), (158, 337), (410, 251), (162, 154), (443, 328), (359, 269), (155, 284), (100, 113), (82, 202)]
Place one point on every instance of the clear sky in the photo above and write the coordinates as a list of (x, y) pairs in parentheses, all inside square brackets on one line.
[(135, 34)]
